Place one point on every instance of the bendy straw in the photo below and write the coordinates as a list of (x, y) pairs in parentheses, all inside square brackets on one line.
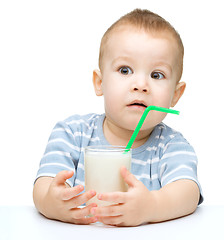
[(142, 119)]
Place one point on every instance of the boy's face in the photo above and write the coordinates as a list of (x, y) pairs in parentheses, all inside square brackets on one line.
[(139, 70)]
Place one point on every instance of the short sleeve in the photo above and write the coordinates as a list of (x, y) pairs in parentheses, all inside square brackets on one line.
[(62, 153), (179, 161)]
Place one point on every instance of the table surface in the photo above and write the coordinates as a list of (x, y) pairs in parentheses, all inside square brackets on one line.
[(24, 222)]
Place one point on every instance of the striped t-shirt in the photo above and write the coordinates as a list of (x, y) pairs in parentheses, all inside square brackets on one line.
[(164, 158)]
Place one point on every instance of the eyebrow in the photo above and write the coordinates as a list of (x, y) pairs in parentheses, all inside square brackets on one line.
[(124, 58), (161, 63)]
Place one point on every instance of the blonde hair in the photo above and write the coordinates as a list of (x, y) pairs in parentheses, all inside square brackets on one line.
[(148, 21)]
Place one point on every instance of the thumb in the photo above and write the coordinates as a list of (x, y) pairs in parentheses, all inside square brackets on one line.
[(128, 177), (62, 176)]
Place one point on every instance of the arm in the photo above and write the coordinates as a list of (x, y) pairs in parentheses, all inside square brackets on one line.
[(175, 200), (139, 205), (55, 199)]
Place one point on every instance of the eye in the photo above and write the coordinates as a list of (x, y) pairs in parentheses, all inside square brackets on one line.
[(125, 70), (157, 75)]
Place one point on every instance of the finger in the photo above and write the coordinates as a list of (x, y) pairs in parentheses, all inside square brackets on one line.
[(86, 220), (115, 197), (129, 178), (62, 176), (114, 221), (107, 211), (69, 193), (80, 215), (81, 199)]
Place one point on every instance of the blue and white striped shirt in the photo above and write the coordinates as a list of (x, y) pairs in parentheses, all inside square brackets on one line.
[(164, 158)]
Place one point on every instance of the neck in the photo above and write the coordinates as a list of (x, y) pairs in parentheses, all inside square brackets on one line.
[(116, 135)]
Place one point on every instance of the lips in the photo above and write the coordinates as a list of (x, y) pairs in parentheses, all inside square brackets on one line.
[(138, 104)]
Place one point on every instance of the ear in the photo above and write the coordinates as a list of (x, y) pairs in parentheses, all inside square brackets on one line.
[(178, 93), (97, 82)]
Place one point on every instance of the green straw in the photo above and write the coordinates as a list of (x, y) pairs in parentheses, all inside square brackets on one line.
[(141, 121)]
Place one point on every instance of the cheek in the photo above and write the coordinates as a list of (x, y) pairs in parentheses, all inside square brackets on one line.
[(112, 96), (162, 96)]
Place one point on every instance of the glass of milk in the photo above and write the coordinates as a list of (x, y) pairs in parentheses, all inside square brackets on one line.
[(102, 170)]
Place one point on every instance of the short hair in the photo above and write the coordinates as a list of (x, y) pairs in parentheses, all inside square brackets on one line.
[(148, 21)]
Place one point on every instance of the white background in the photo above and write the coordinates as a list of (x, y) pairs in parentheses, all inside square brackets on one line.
[(48, 50)]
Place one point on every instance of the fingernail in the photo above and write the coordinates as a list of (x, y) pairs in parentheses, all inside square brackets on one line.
[(100, 196), (93, 211), (70, 172), (92, 192)]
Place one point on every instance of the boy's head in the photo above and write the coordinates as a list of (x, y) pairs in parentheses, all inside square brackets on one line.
[(149, 22), (141, 58)]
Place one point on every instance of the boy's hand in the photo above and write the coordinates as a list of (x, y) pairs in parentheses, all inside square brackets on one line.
[(130, 208), (61, 202)]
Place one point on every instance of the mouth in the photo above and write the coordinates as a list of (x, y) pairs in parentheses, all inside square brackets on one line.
[(138, 104)]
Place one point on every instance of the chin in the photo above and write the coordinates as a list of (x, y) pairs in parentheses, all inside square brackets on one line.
[(130, 125)]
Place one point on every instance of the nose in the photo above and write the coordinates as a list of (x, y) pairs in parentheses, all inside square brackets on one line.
[(141, 84)]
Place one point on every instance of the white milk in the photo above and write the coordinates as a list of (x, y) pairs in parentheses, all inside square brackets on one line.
[(102, 170)]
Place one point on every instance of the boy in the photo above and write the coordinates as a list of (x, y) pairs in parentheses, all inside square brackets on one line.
[(141, 60)]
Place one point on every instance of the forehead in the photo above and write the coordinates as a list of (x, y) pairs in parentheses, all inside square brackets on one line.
[(126, 40)]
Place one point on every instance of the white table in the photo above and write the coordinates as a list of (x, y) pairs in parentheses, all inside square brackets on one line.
[(24, 222)]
